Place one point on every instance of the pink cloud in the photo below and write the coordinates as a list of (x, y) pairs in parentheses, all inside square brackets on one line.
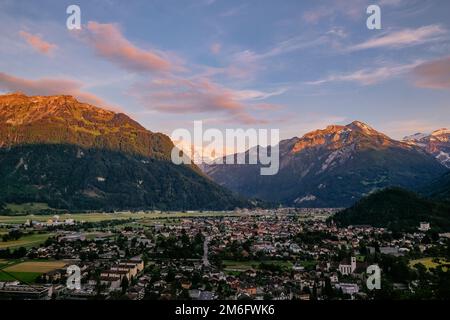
[(168, 91), (354, 9), (403, 38), (50, 86), (200, 95), (37, 42), (109, 43), (433, 74)]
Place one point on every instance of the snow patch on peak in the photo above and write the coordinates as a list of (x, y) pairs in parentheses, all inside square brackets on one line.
[(306, 198), (441, 132), (361, 126), (444, 158), (416, 137), (337, 156)]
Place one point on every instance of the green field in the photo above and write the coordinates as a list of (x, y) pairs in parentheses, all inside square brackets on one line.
[(308, 264), (27, 241), (88, 217), (93, 235), (96, 217), (27, 277), (27, 207), (26, 271), (430, 264), (231, 265), (3, 263)]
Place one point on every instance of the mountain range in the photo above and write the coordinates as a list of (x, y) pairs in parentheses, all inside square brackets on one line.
[(333, 167), (437, 144), (75, 156), (72, 155)]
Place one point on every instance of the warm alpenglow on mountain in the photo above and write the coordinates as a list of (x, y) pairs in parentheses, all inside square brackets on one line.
[(333, 167), (286, 151), (437, 143), (72, 155), (63, 120)]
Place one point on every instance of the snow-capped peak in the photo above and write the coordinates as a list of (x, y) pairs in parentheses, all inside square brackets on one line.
[(416, 137), (437, 144), (441, 132), (361, 126)]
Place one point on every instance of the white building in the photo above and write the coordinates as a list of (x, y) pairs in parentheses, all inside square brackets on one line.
[(69, 222), (424, 226), (295, 248), (348, 288), (345, 268)]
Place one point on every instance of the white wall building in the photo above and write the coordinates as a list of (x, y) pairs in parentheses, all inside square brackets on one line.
[(346, 269), (424, 226), (348, 288)]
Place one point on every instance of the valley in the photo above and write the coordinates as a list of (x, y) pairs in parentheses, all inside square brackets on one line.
[(279, 254), (98, 192)]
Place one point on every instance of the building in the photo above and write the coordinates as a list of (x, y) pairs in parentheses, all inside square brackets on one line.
[(346, 267), (54, 275), (112, 283), (201, 295), (69, 222), (115, 274), (131, 269), (72, 237), (348, 288), (249, 290), (424, 226), (137, 263), (393, 251), (125, 268), (136, 293), (14, 291), (295, 248)]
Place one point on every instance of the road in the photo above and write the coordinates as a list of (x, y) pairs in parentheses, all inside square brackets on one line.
[(205, 252)]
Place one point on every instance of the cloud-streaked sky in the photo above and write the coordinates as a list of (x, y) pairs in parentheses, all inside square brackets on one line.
[(289, 64)]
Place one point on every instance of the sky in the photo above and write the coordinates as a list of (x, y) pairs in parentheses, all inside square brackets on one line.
[(291, 65)]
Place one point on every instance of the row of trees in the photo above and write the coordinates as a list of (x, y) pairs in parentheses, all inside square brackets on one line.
[(15, 254), (12, 235)]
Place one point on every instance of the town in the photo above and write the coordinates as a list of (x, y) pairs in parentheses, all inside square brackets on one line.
[(259, 254)]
